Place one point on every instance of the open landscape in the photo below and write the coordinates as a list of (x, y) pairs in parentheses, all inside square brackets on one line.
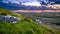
[(27, 24), (29, 16), (51, 18)]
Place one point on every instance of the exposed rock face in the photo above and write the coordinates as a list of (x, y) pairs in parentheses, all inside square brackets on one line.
[(10, 19)]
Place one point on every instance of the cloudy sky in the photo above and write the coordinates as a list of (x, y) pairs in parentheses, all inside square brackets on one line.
[(37, 3), (17, 1), (24, 2)]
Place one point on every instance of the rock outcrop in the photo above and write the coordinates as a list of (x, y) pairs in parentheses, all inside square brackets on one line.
[(9, 18)]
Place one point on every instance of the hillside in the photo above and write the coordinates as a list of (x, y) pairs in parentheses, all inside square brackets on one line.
[(25, 26)]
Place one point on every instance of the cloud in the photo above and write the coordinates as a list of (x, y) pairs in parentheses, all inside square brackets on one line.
[(12, 1), (17, 1), (55, 6), (5, 1), (32, 4)]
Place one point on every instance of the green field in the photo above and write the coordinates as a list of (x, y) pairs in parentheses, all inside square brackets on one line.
[(24, 26)]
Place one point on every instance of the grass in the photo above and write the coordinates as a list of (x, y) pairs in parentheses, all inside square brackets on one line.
[(25, 26), (46, 16)]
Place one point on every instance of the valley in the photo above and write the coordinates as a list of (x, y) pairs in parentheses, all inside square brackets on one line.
[(50, 18)]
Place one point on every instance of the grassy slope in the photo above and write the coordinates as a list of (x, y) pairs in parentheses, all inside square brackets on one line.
[(25, 26)]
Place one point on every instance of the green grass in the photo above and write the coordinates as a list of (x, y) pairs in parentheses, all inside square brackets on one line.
[(46, 16), (25, 26)]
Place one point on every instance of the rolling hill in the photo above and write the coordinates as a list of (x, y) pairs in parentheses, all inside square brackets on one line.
[(25, 26)]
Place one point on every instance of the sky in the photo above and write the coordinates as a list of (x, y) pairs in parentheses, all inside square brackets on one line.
[(17, 1), (27, 2), (21, 0), (37, 3)]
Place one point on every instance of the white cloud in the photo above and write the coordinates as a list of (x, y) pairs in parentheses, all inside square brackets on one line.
[(32, 4), (55, 6), (5, 1), (15, 2)]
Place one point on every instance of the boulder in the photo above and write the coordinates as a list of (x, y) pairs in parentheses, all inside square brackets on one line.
[(10, 19)]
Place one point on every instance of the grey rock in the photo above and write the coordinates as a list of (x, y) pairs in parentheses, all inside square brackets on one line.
[(10, 19)]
